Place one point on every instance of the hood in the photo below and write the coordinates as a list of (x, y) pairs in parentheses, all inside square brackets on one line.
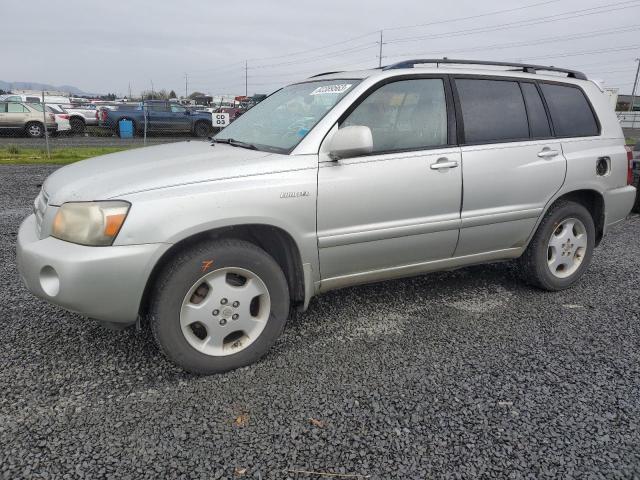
[(150, 168)]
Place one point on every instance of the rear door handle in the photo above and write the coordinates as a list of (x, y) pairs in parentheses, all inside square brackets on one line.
[(443, 163), (548, 153)]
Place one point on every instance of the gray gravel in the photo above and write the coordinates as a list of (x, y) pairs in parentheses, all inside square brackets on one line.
[(451, 375)]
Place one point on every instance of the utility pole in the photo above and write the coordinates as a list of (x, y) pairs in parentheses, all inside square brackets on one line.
[(380, 54), (129, 90), (152, 91), (635, 83), (246, 78), (186, 86)]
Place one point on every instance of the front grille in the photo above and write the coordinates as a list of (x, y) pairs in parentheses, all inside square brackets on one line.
[(39, 207)]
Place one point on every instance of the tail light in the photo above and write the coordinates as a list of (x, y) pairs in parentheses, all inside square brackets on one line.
[(629, 165), (104, 115), (52, 117), (64, 116)]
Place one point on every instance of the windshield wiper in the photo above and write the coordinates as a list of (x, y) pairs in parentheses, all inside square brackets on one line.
[(235, 143)]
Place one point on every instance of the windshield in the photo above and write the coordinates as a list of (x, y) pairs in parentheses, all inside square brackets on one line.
[(282, 120)]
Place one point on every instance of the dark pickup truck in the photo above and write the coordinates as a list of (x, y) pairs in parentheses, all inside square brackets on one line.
[(161, 117)]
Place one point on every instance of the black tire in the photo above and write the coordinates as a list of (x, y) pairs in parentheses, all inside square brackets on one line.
[(34, 129), (201, 129), (636, 205), (77, 126), (534, 262), (178, 277)]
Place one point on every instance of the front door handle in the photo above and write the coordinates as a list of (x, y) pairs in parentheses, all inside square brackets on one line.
[(444, 163), (548, 153)]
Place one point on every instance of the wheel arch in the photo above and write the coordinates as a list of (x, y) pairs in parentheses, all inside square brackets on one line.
[(274, 240), (591, 199)]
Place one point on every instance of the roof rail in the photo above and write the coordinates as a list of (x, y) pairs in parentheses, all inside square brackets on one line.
[(525, 67), (325, 73)]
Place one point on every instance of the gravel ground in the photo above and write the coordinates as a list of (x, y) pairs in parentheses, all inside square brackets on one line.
[(460, 374)]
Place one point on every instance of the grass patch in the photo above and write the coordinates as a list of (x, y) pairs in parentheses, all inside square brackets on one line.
[(12, 154)]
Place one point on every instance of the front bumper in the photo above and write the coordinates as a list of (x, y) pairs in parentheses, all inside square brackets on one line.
[(105, 283), (618, 204)]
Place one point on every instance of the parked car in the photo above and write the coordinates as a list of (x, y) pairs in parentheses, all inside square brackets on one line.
[(61, 116), (26, 118), (340, 179), (81, 116), (161, 117)]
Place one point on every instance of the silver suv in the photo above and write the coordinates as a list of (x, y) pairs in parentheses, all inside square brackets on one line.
[(341, 179)]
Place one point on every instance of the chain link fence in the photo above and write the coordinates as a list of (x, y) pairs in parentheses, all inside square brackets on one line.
[(43, 126)]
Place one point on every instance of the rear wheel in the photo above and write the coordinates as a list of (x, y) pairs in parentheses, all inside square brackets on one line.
[(219, 306), (34, 130), (561, 249), (201, 129), (77, 126)]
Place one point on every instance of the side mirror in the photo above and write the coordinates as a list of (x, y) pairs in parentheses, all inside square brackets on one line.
[(351, 142)]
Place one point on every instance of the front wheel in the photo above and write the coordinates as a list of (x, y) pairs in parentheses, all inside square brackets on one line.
[(219, 306), (561, 248)]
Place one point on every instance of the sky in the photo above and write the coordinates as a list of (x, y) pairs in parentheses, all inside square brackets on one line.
[(109, 46)]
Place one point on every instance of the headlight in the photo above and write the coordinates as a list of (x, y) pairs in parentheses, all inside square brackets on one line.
[(90, 223)]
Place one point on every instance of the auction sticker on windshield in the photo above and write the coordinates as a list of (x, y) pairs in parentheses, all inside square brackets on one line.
[(328, 89)]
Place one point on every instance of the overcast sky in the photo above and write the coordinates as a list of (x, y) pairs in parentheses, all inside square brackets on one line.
[(104, 46)]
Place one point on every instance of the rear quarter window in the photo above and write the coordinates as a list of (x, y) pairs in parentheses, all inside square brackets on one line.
[(570, 111)]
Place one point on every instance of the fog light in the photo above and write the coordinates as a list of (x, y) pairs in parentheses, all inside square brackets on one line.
[(49, 281)]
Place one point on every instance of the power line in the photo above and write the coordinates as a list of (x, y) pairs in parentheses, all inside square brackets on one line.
[(438, 22), (523, 23), (472, 17), (499, 46), (586, 52), (444, 21), (319, 57), (315, 48)]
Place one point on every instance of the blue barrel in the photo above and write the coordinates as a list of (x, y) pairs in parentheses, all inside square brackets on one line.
[(126, 128)]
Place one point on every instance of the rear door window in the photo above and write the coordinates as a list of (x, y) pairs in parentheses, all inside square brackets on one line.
[(570, 111), (538, 121), (492, 110)]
